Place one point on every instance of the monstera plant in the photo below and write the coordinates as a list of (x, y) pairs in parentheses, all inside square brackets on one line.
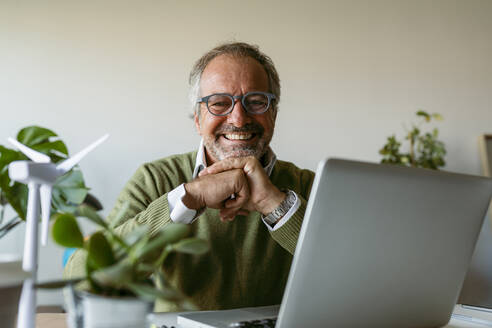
[(424, 149), (69, 191)]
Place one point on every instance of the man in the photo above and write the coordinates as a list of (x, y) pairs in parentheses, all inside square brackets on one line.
[(232, 191)]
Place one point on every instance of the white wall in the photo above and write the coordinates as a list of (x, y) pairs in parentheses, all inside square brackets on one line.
[(352, 72)]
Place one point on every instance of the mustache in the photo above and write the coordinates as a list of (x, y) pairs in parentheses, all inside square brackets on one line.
[(248, 128)]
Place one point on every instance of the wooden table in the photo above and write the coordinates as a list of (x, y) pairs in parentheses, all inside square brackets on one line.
[(51, 320), (57, 320)]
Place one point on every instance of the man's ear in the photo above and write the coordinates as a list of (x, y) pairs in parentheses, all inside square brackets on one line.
[(197, 123)]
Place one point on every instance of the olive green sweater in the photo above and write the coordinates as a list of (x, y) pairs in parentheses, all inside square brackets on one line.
[(247, 264)]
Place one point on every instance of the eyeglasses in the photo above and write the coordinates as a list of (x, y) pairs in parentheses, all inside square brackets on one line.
[(221, 104)]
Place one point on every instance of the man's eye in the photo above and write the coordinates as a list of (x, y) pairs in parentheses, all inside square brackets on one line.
[(256, 103), (218, 104)]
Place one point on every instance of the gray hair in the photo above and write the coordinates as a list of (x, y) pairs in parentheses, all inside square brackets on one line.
[(236, 49)]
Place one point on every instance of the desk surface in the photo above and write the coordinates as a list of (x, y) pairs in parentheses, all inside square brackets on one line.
[(57, 320)]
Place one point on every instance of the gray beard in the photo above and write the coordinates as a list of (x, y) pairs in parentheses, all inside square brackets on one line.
[(258, 150), (220, 153)]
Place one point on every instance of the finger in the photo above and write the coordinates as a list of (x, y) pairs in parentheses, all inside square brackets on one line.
[(228, 214), (243, 212), (235, 202), (225, 165), (221, 166), (203, 172), (241, 196)]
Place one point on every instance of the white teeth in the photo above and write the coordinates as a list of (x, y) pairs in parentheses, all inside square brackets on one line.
[(238, 136)]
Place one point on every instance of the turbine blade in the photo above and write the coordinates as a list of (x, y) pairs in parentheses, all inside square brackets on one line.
[(45, 192), (35, 156), (67, 164)]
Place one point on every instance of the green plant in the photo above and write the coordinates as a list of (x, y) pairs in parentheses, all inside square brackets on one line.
[(69, 190), (125, 266), (424, 149)]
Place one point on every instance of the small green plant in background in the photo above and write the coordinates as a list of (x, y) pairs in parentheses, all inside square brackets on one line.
[(132, 265), (69, 190), (424, 149)]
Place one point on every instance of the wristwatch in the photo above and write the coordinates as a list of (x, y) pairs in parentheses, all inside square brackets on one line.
[(282, 209)]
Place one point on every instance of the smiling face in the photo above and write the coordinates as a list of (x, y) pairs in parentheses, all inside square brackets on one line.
[(239, 133)]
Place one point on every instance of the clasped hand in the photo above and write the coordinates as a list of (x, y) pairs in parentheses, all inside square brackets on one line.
[(243, 177)]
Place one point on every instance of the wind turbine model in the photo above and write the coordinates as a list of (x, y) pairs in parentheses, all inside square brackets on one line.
[(39, 175)]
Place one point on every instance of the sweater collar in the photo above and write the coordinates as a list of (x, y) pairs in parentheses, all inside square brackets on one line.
[(269, 160)]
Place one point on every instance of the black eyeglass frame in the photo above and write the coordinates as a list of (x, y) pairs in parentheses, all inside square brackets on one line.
[(270, 96)]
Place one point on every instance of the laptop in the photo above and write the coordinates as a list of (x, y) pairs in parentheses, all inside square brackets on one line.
[(380, 246)]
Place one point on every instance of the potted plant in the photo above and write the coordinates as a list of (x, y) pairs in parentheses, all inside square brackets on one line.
[(123, 275), (69, 190), (424, 149)]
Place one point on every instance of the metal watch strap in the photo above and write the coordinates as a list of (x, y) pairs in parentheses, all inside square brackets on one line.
[(282, 209)]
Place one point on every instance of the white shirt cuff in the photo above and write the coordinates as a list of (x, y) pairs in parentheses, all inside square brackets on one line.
[(286, 217), (178, 211)]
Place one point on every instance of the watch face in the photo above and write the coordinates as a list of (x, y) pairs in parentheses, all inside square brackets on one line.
[(282, 209), (291, 198), (270, 219)]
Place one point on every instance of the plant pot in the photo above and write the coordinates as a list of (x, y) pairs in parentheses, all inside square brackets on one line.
[(86, 310), (11, 278)]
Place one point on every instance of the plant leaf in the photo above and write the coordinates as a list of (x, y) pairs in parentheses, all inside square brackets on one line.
[(72, 186), (117, 275), (69, 191), (11, 192), (174, 232), (121, 213), (424, 114), (191, 246), (16, 196), (33, 135), (100, 251), (89, 213), (170, 234), (7, 156), (91, 201), (40, 139), (135, 235), (437, 117), (66, 231), (52, 148)]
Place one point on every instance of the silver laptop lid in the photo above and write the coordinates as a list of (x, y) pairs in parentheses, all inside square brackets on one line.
[(383, 246)]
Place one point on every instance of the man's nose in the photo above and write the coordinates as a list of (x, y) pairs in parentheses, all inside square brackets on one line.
[(238, 117)]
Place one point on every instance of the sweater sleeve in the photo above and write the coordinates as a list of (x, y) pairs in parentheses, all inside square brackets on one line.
[(146, 195), (288, 233)]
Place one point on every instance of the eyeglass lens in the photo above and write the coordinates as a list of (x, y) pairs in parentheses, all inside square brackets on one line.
[(253, 103)]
